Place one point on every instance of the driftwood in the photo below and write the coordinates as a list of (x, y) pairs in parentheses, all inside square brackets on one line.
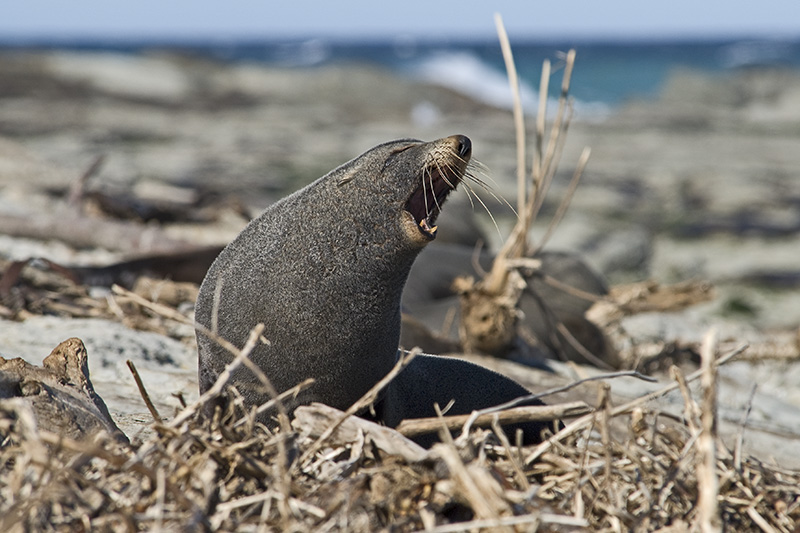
[(643, 297), (649, 296), (414, 427), (87, 232), (60, 393), (187, 264), (315, 419)]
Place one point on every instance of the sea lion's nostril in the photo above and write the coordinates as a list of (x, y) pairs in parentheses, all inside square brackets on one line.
[(464, 145)]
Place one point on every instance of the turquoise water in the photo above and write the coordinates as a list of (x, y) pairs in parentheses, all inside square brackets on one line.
[(606, 73)]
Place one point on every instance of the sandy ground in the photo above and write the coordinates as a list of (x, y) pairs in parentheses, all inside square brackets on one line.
[(703, 183)]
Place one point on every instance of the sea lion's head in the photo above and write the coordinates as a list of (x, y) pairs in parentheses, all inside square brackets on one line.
[(413, 180)]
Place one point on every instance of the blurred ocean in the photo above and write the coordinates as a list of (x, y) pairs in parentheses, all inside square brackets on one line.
[(606, 74)]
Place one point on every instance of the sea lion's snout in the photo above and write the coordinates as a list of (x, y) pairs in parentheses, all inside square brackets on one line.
[(444, 168)]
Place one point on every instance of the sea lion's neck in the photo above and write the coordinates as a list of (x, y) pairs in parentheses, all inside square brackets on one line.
[(359, 253)]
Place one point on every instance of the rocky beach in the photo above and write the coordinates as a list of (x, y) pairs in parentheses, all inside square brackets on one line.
[(701, 184)]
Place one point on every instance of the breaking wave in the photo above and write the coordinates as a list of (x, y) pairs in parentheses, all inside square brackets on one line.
[(466, 73)]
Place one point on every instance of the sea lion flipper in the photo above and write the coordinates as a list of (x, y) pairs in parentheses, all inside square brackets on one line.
[(430, 379)]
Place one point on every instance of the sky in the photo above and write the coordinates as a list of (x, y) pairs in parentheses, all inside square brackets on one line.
[(460, 19)]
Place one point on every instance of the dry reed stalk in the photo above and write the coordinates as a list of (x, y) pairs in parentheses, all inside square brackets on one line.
[(77, 188), (583, 160), (475, 484), (737, 455), (541, 121), (690, 409), (549, 392), (489, 306), (219, 386), (593, 479), (708, 485), (519, 117), (519, 475)]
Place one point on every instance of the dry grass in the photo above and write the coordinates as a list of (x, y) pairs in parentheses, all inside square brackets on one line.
[(618, 469)]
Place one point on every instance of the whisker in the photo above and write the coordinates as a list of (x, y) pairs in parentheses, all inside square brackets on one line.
[(470, 174), (455, 155), (471, 177), (433, 191), (424, 193), (469, 192), (480, 168), (485, 207), (475, 171), (448, 168)]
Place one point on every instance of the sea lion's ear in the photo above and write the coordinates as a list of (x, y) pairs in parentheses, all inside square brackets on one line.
[(347, 178)]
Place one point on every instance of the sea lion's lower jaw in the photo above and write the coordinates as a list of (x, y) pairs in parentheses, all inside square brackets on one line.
[(414, 231)]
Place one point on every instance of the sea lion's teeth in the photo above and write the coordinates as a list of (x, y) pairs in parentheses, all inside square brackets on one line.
[(425, 226), (433, 230)]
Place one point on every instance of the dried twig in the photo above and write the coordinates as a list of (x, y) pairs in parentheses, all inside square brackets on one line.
[(583, 160), (219, 386), (476, 485), (317, 418), (143, 392), (582, 422), (737, 454), (418, 426), (519, 475), (497, 294), (568, 386), (78, 187), (708, 485), (519, 117), (537, 518)]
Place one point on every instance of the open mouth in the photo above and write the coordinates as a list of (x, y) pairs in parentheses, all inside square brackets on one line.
[(438, 179), (426, 201)]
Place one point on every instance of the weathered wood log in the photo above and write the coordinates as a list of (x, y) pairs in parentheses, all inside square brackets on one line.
[(414, 427), (86, 232), (317, 417), (60, 392)]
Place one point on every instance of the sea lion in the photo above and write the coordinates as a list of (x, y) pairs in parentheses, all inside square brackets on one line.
[(324, 270)]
